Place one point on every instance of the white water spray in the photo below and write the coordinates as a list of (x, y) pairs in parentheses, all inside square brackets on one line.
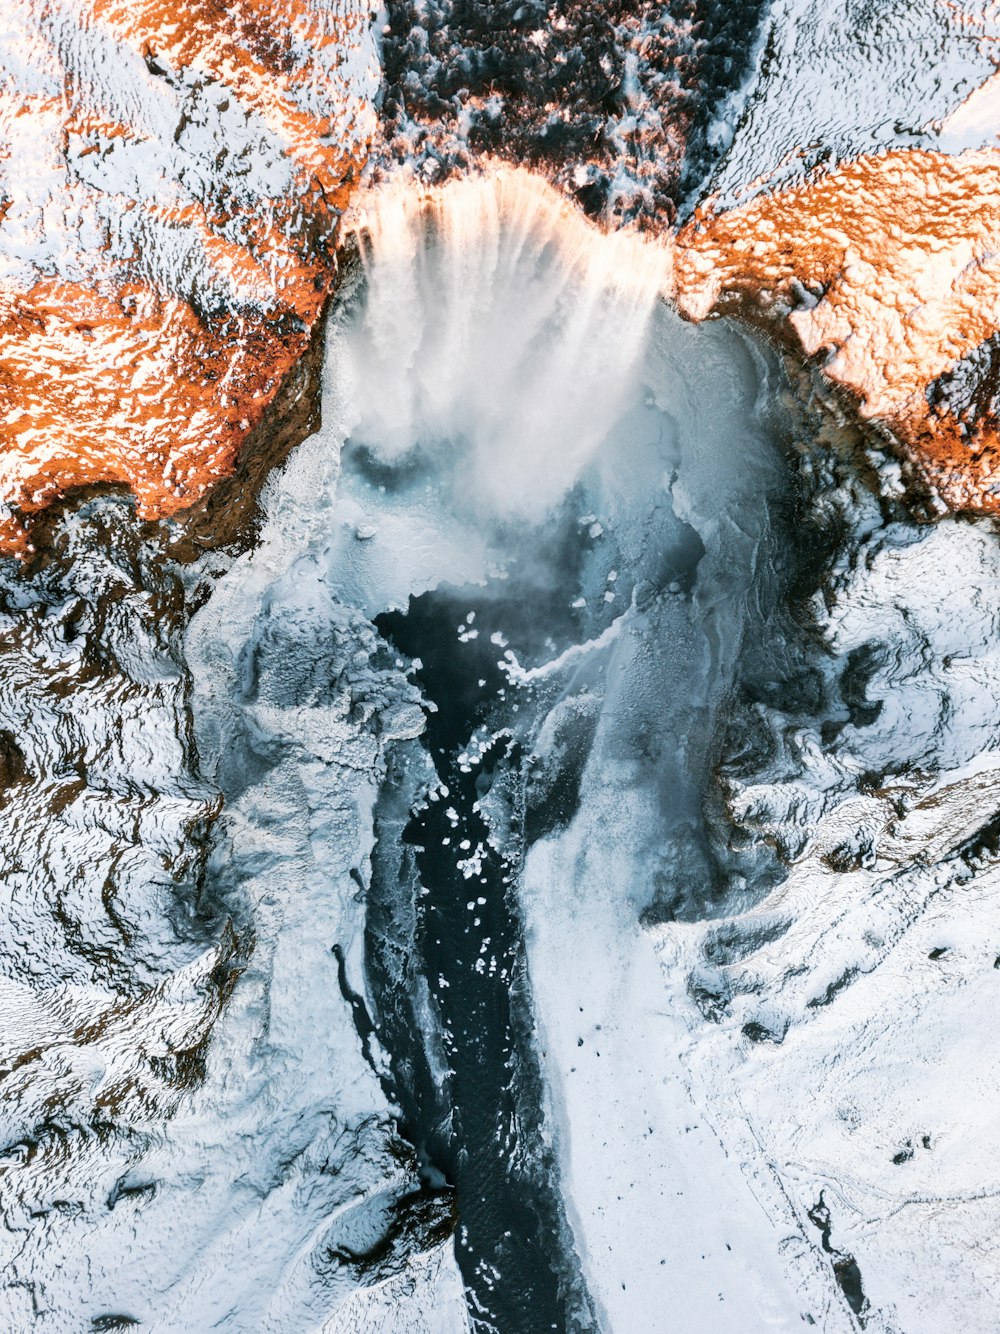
[(498, 317)]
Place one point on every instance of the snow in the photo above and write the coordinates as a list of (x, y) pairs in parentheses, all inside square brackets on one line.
[(835, 80), (675, 446), (112, 155)]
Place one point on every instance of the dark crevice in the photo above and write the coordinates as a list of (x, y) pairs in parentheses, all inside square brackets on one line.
[(845, 1267), (363, 1024)]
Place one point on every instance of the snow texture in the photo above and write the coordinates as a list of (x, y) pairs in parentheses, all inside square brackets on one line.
[(774, 1062), (836, 80), (750, 803)]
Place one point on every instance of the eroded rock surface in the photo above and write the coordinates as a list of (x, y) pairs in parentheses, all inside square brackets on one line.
[(172, 192), (883, 272), (172, 185)]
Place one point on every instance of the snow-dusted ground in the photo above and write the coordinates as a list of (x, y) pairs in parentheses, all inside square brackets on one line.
[(867, 1085), (835, 80), (121, 129), (770, 1107), (767, 1083), (192, 1137)]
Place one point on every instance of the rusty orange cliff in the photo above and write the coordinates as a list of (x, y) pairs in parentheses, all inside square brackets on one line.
[(174, 178), (885, 272)]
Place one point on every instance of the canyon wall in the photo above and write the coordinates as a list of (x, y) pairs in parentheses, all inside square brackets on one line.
[(884, 274), (173, 185)]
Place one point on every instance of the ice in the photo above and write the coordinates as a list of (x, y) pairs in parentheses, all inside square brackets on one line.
[(486, 388), (754, 867)]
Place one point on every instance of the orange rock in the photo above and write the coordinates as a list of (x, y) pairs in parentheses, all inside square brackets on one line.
[(888, 269), (169, 239), (177, 173)]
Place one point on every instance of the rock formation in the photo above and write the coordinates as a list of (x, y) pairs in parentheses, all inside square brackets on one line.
[(885, 273), (173, 184), (173, 191)]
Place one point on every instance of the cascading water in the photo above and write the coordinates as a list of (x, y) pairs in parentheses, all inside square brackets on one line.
[(501, 327), (478, 904), (556, 502)]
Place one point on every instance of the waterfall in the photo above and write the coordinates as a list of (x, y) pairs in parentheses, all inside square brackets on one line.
[(497, 316), (564, 495)]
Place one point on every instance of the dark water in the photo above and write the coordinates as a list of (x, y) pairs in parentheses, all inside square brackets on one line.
[(726, 37), (477, 63), (446, 959)]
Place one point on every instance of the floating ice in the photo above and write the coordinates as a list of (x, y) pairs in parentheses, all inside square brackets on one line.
[(657, 937)]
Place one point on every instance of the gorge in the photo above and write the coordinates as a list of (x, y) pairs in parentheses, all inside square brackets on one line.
[(498, 669)]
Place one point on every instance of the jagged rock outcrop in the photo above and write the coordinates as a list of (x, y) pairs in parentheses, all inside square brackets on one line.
[(172, 193), (172, 186), (884, 273)]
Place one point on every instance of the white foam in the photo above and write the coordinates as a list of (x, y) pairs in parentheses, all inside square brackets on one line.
[(498, 317)]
